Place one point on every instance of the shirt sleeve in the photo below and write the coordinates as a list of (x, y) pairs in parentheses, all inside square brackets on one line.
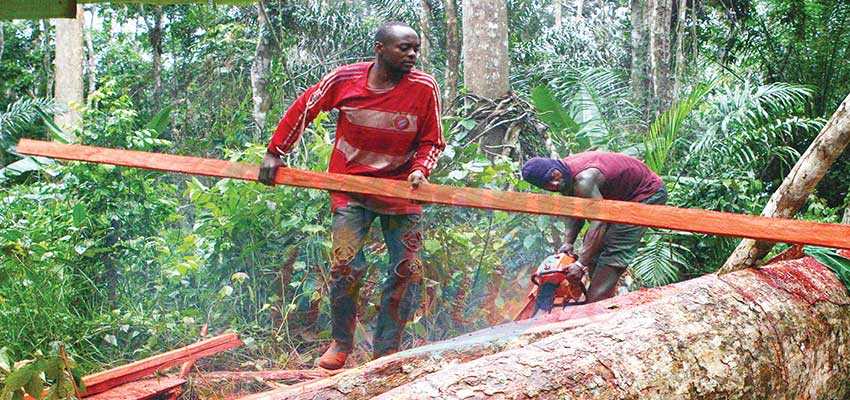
[(303, 111), (429, 141)]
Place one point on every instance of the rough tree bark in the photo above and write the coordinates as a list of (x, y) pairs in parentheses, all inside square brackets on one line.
[(260, 67), (452, 57), (156, 45), (681, 13), (485, 47), (69, 68), (650, 75), (779, 332), (798, 185), (639, 77), (425, 35)]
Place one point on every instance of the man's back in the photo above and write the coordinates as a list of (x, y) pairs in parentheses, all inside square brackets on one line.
[(626, 177)]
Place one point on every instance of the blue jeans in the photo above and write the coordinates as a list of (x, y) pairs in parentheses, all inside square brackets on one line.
[(401, 292)]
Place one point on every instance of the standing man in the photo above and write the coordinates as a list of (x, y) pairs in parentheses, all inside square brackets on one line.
[(388, 127), (607, 248)]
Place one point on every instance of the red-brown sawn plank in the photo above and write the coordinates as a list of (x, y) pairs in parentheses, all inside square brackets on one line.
[(668, 217), (103, 381)]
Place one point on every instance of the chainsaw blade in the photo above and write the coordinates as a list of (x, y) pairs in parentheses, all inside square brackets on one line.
[(546, 297)]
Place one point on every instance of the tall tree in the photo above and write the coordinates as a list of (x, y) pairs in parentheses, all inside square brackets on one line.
[(156, 46), (2, 42), (452, 56), (485, 47), (798, 185), (261, 65), (650, 73), (69, 68), (425, 35)]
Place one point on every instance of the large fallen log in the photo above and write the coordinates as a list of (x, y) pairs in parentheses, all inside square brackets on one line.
[(388, 372), (780, 332), (658, 216)]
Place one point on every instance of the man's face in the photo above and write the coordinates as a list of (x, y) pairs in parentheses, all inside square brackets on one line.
[(557, 183), (399, 52)]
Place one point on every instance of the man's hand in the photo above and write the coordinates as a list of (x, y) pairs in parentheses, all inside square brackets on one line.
[(575, 272), (567, 248), (268, 168), (416, 177)]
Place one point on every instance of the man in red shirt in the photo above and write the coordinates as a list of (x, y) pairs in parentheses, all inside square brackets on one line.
[(607, 249), (388, 127)]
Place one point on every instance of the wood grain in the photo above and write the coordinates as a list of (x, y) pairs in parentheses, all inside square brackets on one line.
[(140, 390), (657, 216)]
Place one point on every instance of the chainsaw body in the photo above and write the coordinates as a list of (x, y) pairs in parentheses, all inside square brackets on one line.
[(551, 287)]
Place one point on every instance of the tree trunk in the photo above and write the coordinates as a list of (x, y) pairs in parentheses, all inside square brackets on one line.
[(558, 13), (91, 60), (775, 333), (798, 185), (260, 68), (639, 76), (424, 35), (650, 75), (485, 47), (659, 55), (579, 9), (681, 13), (156, 46), (2, 42), (452, 57), (69, 69), (46, 61)]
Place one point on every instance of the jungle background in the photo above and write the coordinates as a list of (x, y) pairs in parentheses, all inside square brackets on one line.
[(718, 96)]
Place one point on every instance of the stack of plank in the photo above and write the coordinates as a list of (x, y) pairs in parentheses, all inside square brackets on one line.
[(125, 382)]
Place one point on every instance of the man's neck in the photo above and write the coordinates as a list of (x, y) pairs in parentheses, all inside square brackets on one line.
[(381, 78)]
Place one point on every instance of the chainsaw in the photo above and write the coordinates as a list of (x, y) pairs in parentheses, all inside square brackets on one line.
[(550, 287)]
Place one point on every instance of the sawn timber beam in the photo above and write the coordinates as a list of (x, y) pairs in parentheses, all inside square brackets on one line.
[(657, 216)]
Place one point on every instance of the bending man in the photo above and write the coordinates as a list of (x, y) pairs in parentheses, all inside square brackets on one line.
[(607, 248)]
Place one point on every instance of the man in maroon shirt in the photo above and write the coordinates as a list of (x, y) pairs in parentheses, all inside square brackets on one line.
[(388, 127), (607, 248)]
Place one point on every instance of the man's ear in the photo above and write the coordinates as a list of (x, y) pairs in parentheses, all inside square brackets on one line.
[(379, 47)]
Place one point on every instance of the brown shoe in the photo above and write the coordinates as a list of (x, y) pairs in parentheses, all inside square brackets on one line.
[(334, 357)]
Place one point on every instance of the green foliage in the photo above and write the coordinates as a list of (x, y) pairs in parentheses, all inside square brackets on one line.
[(55, 373), (594, 112), (664, 131)]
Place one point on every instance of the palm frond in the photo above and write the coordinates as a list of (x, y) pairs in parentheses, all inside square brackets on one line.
[(664, 131), (659, 260)]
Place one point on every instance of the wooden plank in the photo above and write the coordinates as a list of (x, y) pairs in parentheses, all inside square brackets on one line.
[(140, 390), (668, 217), (106, 380)]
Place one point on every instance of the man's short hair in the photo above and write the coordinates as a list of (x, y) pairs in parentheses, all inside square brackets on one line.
[(383, 32)]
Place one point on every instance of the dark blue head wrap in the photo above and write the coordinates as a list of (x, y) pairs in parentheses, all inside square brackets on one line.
[(538, 171)]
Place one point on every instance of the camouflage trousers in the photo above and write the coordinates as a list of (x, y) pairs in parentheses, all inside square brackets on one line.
[(401, 288)]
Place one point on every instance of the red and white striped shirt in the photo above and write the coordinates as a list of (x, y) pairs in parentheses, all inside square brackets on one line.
[(380, 133)]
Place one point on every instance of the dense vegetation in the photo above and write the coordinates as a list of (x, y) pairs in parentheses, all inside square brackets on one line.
[(120, 263)]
